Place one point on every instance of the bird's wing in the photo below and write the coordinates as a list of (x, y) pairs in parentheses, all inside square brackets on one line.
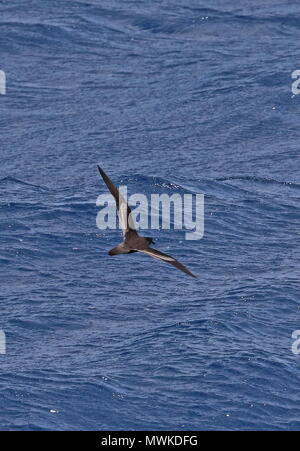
[(166, 258), (124, 211)]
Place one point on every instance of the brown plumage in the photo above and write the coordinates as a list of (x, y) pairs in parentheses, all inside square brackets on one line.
[(132, 241)]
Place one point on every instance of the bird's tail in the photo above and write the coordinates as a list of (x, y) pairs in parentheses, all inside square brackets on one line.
[(120, 249)]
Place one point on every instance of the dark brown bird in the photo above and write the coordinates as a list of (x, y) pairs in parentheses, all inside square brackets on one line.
[(132, 241)]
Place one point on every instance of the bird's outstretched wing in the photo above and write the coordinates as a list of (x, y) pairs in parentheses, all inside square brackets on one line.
[(166, 258), (124, 211)]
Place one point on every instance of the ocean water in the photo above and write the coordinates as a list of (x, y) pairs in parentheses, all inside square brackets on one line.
[(185, 96)]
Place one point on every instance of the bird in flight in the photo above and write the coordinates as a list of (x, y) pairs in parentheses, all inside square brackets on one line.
[(132, 241)]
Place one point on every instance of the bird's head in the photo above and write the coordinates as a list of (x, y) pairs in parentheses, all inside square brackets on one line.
[(150, 240)]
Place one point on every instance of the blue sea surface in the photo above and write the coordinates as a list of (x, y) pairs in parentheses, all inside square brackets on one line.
[(184, 96)]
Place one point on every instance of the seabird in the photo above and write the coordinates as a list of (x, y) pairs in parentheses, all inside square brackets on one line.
[(132, 241)]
